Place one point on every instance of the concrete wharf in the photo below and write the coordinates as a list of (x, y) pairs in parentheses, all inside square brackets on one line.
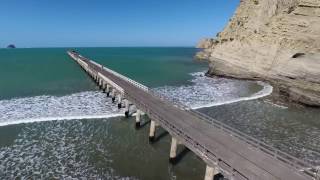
[(226, 151)]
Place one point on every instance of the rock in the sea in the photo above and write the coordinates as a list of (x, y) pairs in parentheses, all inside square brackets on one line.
[(11, 46), (273, 40)]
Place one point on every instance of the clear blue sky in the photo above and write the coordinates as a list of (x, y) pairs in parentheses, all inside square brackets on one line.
[(92, 23)]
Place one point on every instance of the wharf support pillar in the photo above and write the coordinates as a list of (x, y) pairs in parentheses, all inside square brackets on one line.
[(100, 83), (152, 132), (113, 95), (96, 78), (107, 90), (138, 118), (119, 101), (127, 108), (173, 150), (211, 172), (103, 87)]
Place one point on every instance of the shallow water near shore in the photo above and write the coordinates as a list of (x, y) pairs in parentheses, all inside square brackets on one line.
[(55, 123)]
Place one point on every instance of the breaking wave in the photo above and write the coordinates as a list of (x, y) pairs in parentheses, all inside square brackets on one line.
[(203, 92), (84, 105), (208, 92)]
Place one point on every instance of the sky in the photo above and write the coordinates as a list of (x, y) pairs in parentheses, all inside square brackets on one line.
[(111, 23)]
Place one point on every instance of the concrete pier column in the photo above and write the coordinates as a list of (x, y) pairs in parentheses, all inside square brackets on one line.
[(119, 101), (108, 90), (97, 79), (113, 95), (152, 132), (127, 108), (210, 173), (100, 83), (173, 150), (138, 118), (103, 86)]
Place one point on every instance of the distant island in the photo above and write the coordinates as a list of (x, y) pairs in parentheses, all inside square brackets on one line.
[(11, 46)]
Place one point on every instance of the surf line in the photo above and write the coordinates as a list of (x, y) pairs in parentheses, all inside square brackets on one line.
[(266, 91), (31, 120)]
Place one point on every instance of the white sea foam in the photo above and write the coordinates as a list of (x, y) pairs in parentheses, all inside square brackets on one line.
[(20, 121), (58, 150), (208, 92), (267, 90), (203, 92), (84, 105)]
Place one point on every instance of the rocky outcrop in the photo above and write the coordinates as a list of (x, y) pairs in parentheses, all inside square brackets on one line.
[(273, 40)]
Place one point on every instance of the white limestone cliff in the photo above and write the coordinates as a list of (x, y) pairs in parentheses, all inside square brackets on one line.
[(273, 40)]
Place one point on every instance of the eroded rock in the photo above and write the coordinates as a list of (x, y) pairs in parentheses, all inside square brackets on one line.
[(273, 40)]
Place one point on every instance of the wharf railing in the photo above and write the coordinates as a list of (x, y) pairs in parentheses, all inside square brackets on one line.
[(189, 142), (291, 161), (135, 83), (131, 81)]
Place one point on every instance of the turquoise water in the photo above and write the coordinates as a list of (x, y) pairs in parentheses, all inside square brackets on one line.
[(31, 72), (151, 66), (56, 124)]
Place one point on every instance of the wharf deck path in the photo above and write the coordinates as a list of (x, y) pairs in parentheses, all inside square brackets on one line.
[(213, 145)]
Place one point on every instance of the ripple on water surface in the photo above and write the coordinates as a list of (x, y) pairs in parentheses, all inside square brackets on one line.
[(59, 150)]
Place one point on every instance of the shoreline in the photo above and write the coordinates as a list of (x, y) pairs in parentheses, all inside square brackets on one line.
[(62, 118), (277, 97), (264, 93)]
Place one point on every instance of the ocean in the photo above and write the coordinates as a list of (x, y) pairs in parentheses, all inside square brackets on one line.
[(56, 124)]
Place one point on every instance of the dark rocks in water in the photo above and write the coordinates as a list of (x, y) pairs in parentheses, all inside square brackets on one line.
[(11, 46)]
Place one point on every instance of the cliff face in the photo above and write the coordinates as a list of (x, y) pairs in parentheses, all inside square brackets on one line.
[(273, 40)]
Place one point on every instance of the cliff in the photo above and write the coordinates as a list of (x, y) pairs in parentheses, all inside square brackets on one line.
[(273, 40)]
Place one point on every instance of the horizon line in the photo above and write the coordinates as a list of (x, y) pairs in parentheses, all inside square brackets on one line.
[(38, 47)]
